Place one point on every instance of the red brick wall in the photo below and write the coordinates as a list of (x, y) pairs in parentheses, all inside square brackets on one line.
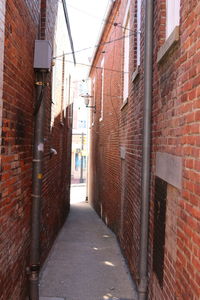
[(55, 205), (105, 154), (16, 148), (175, 131), (21, 30), (2, 29), (56, 182), (131, 139), (116, 182)]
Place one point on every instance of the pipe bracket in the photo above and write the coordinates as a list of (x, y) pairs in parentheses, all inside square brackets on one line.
[(35, 196), (40, 83), (35, 268)]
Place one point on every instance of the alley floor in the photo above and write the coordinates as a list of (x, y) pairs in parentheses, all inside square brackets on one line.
[(85, 262)]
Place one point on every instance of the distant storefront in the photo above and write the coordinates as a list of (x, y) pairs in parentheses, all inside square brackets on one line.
[(79, 158)]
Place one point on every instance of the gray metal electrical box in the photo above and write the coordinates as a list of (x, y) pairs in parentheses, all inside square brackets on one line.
[(42, 55)]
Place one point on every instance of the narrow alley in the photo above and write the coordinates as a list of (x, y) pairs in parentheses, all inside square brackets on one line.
[(99, 150), (85, 262)]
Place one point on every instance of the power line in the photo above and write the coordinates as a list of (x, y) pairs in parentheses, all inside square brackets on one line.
[(96, 17), (96, 46), (93, 67), (107, 95)]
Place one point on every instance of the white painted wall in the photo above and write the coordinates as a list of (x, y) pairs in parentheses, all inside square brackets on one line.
[(62, 45)]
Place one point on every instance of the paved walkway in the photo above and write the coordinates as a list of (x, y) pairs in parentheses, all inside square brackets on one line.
[(85, 262)]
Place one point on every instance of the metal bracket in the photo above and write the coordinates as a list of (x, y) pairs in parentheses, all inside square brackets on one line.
[(92, 106), (40, 83), (35, 268)]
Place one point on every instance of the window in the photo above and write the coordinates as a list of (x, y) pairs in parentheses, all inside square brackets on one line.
[(171, 28), (68, 92), (172, 16), (137, 39), (102, 90), (94, 99), (81, 124), (84, 162), (126, 58), (77, 161), (138, 31), (54, 88)]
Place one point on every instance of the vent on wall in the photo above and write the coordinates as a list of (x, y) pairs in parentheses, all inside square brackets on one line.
[(159, 228)]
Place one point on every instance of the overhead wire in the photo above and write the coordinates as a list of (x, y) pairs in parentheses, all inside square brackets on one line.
[(74, 88), (93, 67), (98, 45), (116, 24), (96, 17)]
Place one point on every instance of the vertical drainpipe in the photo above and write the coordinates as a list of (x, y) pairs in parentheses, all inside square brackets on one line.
[(148, 73), (37, 175), (38, 151)]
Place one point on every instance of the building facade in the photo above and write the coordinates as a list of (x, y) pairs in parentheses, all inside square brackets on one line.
[(21, 23), (117, 134), (106, 91)]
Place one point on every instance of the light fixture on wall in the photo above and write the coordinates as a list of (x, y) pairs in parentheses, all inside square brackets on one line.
[(87, 98)]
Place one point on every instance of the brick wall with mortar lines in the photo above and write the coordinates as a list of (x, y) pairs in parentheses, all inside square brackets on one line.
[(2, 30), (105, 158), (131, 118), (127, 127), (16, 148), (176, 131), (55, 205), (57, 169), (21, 29), (118, 209)]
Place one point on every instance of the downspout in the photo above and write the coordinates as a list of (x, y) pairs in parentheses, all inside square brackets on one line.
[(148, 73), (38, 151)]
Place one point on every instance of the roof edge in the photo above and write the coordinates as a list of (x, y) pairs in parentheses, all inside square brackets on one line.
[(101, 33)]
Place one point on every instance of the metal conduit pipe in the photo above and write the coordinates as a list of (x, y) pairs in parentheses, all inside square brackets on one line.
[(69, 29), (148, 73), (38, 151)]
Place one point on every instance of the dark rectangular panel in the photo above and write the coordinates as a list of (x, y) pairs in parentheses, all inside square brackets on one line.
[(159, 227)]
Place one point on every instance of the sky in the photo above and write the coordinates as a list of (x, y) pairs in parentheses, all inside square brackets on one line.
[(86, 20)]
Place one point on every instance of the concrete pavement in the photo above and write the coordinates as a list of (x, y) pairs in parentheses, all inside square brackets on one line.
[(85, 262)]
